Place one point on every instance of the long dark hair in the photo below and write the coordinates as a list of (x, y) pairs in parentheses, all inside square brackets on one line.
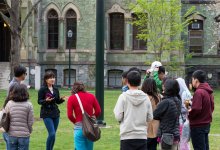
[(171, 88), (149, 86), (78, 87), (19, 93), (48, 75)]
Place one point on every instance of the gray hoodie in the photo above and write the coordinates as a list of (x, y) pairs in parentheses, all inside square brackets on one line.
[(133, 110)]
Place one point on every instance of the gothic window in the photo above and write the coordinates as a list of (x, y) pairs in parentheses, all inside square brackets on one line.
[(137, 43), (71, 24), (217, 19), (196, 36), (5, 41), (114, 78), (53, 29), (117, 31), (72, 77)]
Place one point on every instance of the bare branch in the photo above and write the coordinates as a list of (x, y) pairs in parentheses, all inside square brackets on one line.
[(29, 13)]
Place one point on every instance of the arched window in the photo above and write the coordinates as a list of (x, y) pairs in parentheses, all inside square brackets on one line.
[(137, 43), (53, 29), (217, 19), (5, 41), (196, 40), (114, 78), (72, 76), (117, 31), (71, 24)]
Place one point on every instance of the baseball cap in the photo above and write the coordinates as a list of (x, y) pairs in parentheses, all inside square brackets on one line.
[(154, 65)]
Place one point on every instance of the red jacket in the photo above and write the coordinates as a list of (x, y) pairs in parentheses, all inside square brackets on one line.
[(90, 105), (202, 106)]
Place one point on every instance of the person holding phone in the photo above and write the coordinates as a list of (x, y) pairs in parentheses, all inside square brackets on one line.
[(48, 98)]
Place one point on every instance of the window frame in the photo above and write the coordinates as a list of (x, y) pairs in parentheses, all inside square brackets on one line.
[(66, 29), (49, 19), (112, 32), (115, 77), (190, 37), (66, 77), (134, 37)]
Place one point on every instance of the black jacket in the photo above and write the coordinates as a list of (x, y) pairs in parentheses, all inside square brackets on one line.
[(49, 109), (168, 111)]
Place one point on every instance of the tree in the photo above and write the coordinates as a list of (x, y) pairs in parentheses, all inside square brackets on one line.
[(161, 24), (15, 26)]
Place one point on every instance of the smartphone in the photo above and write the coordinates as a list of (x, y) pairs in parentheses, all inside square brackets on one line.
[(49, 95)]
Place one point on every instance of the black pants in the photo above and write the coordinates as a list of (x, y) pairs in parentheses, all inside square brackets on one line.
[(133, 144), (151, 143), (199, 136)]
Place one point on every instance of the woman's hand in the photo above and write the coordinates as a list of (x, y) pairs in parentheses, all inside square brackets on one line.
[(48, 99), (65, 98)]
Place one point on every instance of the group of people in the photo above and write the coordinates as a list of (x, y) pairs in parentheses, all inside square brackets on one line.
[(20, 110), (163, 111)]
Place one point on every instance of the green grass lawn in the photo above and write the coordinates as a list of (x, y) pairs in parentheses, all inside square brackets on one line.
[(110, 135)]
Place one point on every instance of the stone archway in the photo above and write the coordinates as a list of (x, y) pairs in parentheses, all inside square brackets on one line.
[(5, 42)]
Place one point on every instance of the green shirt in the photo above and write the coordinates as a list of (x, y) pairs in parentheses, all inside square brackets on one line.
[(156, 79)]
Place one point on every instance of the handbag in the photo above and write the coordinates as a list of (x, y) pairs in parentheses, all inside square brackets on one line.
[(5, 120), (167, 141), (90, 127)]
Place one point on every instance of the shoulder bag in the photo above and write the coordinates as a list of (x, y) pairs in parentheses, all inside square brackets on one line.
[(5, 120), (90, 127)]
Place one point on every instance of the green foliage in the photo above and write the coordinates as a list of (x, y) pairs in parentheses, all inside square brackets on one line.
[(161, 24)]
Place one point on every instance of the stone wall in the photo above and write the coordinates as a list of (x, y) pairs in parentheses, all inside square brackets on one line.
[(209, 60)]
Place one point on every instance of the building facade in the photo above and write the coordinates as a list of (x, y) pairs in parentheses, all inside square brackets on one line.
[(122, 49), (47, 45), (203, 39)]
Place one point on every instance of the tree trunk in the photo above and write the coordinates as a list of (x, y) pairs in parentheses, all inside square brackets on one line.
[(15, 34)]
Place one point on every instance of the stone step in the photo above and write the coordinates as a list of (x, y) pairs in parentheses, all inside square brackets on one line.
[(4, 75)]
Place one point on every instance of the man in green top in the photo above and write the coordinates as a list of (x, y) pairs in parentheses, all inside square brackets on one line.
[(158, 72)]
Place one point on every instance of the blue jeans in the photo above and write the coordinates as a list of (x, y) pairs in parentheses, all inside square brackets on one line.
[(51, 125), (199, 136), (80, 141), (5, 137), (18, 143)]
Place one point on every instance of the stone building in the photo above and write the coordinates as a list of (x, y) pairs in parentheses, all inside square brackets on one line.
[(203, 39), (122, 49), (47, 46)]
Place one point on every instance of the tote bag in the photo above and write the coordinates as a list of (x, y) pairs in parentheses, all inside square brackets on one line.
[(4, 120), (90, 127)]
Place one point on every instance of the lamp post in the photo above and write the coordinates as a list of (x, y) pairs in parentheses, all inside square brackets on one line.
[(99, 89), (69, 35)]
